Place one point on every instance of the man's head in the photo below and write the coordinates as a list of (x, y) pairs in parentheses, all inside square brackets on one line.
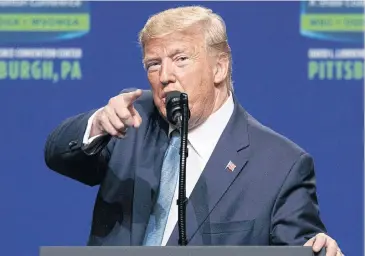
[(186, 49)]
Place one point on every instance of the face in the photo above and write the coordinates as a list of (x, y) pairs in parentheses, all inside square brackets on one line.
[(179, 61)]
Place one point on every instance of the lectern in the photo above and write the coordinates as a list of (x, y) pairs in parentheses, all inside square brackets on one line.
[(179, 251)]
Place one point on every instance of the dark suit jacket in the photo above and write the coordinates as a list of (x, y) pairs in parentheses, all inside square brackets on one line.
[(269, 199)]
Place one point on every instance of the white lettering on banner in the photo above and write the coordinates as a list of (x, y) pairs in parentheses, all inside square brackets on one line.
[(38, 3), (6, 53), (320, 53), (336, 53), (350, 54), (336, 3), (61, 53)]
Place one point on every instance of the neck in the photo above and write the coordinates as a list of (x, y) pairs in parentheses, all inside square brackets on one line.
[(220, 97)]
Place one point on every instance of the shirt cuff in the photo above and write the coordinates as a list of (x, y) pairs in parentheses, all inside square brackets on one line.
[(87, 140)]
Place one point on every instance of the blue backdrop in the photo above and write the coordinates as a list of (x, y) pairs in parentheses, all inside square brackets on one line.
[(275, 81)]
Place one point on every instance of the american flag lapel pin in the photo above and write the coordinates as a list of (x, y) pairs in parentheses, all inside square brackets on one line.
[(231, 166)]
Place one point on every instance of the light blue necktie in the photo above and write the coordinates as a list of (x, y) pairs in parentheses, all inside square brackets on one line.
[(169, 177)]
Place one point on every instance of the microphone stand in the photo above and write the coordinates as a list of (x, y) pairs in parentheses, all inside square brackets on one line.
[(182, 199)]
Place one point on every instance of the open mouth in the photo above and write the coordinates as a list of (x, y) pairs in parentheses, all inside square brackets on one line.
[(163, 97)]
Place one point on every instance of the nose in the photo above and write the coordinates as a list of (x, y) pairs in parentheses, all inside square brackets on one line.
[(167, 75)]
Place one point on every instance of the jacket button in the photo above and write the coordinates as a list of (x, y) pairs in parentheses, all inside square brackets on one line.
[(71, 144)]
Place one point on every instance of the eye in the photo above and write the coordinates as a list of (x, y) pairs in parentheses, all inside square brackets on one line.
[(181, 61), (151, 65), (182, 58)]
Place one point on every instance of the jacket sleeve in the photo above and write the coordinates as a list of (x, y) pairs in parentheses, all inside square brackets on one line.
[(65, 152), (295, 216)]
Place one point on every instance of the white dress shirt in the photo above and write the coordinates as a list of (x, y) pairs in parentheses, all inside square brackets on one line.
[(201, 143)]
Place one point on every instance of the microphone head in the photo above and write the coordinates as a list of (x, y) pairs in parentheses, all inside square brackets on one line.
[(173, 106), (173, 96)]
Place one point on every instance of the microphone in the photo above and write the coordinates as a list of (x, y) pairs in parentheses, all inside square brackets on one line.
[(178, 114), (174, 108)]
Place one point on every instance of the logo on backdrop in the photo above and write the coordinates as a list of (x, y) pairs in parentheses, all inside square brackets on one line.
[(334, 23), (28, 31)]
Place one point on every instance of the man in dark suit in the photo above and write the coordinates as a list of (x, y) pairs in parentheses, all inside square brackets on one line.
[(246, 184)]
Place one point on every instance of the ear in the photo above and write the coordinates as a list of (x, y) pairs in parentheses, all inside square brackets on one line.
[(221, 68)]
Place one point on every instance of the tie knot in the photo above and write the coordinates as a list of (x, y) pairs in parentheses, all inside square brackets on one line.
[(175, 137), (175, 133)]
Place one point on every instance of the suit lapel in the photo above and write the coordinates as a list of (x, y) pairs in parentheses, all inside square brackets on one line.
[(233, 146), (152, 150)]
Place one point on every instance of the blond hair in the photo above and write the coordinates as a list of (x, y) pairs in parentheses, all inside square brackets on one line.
[(183, 18)]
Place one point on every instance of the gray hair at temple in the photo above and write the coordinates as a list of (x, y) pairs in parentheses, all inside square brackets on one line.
[(182, 18)]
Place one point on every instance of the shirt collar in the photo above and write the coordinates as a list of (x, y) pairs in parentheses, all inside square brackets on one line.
[(205, 137)]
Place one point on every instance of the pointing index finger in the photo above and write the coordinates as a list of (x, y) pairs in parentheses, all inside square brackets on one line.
[(130, 97)]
